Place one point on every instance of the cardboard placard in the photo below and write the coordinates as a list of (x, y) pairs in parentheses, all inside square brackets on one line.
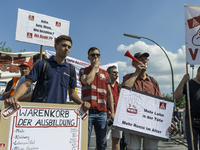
[(143, 114), (43, 126)]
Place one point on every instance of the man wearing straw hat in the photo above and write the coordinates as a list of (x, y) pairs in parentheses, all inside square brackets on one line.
[(194, 97)]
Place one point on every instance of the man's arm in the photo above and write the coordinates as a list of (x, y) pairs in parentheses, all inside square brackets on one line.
[(178, 94), (87, 79), (25, 98), (139, 66), (176, 118), (12, 101), (7, 94), (130, 82), (110, 101), (84, 105)]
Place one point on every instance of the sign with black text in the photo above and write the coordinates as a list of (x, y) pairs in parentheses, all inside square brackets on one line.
[(44, 126), (38, 28), (143, 114)]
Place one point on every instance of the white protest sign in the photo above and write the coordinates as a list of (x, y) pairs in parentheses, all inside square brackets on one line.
[(39, 29), (78, 64), (192, 34), (45, 126), (143, 114)]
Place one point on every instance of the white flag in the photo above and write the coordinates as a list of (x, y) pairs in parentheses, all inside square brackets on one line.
[(192, 34)]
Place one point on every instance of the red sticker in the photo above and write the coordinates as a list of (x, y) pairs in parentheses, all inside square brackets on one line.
[(9, 111), (30, 17), (29, 35), (58, 24), (2, 145), (163, 105)]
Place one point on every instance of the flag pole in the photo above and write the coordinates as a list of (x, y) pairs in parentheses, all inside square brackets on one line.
[(189, 111), (41, 51)]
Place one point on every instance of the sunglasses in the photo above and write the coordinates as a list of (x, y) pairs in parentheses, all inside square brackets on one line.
[(143, 59), (93, 55), (115, 72)]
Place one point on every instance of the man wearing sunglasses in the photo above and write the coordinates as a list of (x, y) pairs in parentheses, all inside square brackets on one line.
[(139, 80), (115, 88), (96, 90)]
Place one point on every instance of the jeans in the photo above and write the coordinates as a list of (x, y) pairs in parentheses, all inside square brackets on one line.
[(99, 120), (196, 133)]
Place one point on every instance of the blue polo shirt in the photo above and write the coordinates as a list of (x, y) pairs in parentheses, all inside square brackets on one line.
[(57, 82)]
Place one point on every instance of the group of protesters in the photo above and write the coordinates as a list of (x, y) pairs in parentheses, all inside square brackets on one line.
[(100, 91)]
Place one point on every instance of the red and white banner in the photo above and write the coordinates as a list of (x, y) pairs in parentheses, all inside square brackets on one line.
[(9, 63), (192, 34), (39, 29)]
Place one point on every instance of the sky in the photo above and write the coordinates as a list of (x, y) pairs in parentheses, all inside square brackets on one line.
[(103, 23)]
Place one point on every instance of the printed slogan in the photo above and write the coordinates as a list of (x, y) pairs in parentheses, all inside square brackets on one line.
[(37, 127), (7, 63), (143, 114), (39, 28)]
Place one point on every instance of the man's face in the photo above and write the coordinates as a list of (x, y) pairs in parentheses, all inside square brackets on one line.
[(24, 70), (113, 74), (177, 109), (63, 48), (94, 55), (144, 60)]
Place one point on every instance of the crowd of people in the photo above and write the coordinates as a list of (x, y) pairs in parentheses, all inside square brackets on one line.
[(100, 92)]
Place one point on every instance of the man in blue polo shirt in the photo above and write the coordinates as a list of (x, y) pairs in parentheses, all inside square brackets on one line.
[(57, 77)]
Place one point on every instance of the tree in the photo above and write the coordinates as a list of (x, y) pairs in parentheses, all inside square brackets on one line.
[(8, 49), (3, 49), (168, 96), (179, 103), (22, 50)]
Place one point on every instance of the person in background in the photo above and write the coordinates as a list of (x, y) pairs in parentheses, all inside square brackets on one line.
[(178, 119), (11, 86), (115, 88)]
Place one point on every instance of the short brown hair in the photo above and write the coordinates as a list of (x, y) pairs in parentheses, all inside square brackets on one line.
[(63, 37), (109, 68), (37, 56), (92, 49)]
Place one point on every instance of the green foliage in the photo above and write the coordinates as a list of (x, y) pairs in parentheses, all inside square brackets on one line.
[(168, 96), (8, 49), (179, 103), (3, 49), (22, 50)]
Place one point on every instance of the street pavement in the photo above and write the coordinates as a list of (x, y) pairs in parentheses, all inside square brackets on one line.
[(175, 142)]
